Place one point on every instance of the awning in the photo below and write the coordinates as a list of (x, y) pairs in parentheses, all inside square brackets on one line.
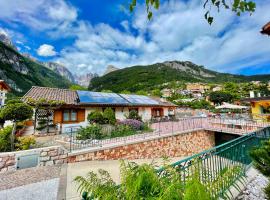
[(230, 106)]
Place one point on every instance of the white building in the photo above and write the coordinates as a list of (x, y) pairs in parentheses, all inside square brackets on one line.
[(4, 89), (78, 104)]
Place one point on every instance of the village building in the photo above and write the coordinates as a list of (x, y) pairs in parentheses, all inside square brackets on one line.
[(197, 89), (78, 104), (217, 88), (4, 89), (166, 92), (260, 107)]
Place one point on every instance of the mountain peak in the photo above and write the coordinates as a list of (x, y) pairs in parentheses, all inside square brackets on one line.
[(84, 79), (5, 38), (60, 69), (109, 69)]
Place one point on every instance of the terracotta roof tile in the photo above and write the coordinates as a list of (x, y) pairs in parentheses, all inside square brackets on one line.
[(56, 94), (266, 29)]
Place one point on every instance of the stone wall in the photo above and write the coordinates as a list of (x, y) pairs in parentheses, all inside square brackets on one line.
[(182, 145), (7, 162), (47, 156)]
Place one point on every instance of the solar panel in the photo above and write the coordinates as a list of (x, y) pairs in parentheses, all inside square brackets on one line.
[(100, 98), (139, 99)]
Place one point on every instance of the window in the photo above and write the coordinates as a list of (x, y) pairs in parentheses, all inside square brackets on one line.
[(69, 115)]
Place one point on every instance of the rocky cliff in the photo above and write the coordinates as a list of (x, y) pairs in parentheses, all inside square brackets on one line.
[(60, 69)]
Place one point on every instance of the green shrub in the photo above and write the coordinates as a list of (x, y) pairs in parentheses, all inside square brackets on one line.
[(137, 182), (122, 130), (133, 114), (90, 132), (261, 161), (267, 191), (25, 143), (5, 141), (96, 117), (109, 116)]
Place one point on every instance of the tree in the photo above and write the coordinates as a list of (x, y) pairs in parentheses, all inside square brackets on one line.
[(237, 6), (263, 89), (77, 87), (109, 116), (156, 92), (16, 112), (106, 91), (219, 97), (141, 92), (125, 92)]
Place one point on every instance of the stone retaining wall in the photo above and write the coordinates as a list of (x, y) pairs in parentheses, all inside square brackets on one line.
[(182, 145), (47, 156)]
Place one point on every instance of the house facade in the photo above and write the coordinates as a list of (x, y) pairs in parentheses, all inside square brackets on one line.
[(4, 89), (260, 107), (78, 104)]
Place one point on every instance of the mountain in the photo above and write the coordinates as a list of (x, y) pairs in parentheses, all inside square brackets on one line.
[(84, 79), (109, 69), (60, 69), (149, 76), (6, 39), (21, 72)]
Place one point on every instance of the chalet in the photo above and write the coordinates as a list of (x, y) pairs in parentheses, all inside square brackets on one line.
[(78, 104), (4, 89)]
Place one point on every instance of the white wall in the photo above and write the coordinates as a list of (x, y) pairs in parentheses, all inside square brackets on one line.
[(145, 113), (121, 113)]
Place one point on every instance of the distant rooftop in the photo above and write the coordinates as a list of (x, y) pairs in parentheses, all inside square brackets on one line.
[(256, 99)]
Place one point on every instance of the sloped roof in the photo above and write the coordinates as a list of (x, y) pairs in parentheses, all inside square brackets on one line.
[(4, 85), (266, 29), (55, 94), (72, 97)]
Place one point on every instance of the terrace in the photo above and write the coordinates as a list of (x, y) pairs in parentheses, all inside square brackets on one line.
[(237, 127)]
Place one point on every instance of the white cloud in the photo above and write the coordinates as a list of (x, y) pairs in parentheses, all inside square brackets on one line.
[(46, 50), (39, 15), (178, 31)]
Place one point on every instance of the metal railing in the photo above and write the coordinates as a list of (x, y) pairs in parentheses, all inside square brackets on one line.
[(220, 167), (166, 128)]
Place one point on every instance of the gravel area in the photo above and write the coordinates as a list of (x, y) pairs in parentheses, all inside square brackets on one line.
[(45, 190), (254, 189), (27, 176)]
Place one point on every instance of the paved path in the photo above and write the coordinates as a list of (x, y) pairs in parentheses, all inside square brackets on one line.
[(30, 184), (254, 189), (112, 166), (45, 190)]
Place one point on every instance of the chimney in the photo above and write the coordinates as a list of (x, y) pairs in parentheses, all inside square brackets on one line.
[(251, 94)]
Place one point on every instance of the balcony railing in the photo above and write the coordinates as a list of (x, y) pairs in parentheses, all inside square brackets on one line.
[(167, 128), (220, 167)]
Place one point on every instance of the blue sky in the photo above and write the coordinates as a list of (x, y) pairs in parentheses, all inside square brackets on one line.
[(88, 35)]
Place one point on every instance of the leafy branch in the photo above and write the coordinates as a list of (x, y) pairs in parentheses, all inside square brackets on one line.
[(237, 6)]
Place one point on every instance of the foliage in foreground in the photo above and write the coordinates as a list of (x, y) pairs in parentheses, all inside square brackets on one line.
[(261, 161), (21, 143), (143, 182), (237, 6)]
